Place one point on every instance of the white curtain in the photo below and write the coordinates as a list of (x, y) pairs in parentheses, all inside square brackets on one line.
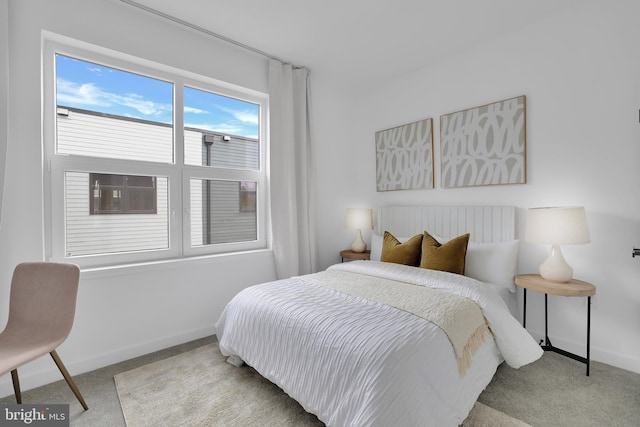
[(291, 171), (4, 89)]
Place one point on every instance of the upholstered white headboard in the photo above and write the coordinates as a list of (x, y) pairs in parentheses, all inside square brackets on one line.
[(484, 223)]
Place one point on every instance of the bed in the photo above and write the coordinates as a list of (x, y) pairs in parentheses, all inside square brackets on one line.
[(379, 343)]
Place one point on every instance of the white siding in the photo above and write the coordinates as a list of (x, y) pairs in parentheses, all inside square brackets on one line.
[(96, 135), (108, 137), (101, 234), (192, 148), (196, 212)]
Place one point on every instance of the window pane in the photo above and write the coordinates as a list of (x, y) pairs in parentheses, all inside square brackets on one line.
[(222, 212), (88, 234), (121, 194), (220, 131), (117, 185), (109, 113)]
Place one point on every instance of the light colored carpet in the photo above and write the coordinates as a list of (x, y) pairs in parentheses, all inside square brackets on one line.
[(198, 388)]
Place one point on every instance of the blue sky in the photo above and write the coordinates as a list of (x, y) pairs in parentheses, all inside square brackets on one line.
[(107, 90)]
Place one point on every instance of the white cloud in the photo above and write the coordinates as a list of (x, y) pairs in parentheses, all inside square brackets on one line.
[(194, 110), (79, 94), (247, 117), (90, 95), (243, 116), (138, 103)]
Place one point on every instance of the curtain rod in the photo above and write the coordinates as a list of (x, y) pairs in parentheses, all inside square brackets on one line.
[(205, 31)]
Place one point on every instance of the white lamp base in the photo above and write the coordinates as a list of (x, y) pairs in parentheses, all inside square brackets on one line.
[(358, 244), (555, 268)]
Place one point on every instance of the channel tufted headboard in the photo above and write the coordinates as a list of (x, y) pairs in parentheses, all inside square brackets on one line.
[(484, 223)]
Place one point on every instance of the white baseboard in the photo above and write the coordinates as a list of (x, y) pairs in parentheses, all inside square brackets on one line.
[(45, 375), (597, 354)]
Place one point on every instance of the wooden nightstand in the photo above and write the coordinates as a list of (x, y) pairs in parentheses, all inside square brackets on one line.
[(349, 254), (572, 288)]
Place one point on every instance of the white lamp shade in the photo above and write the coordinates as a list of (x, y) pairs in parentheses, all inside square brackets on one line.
[(557, 226), (359, 218)]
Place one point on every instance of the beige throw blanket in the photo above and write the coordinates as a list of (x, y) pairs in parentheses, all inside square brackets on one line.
[(460, 318)]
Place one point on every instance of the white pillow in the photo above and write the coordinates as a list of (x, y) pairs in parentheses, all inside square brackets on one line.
[(487, 262), (376, 247), (493, 262)]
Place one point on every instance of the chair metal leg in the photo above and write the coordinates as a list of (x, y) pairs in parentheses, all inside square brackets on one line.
[(68, 378), (16, 386)]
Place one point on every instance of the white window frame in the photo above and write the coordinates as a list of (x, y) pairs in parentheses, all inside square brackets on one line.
[(178, 173)]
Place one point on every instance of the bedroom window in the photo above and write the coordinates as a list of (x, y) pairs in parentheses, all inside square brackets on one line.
[(146, 162)]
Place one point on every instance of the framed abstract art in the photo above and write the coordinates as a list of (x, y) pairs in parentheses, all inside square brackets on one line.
[(404, 157), (484, 145)]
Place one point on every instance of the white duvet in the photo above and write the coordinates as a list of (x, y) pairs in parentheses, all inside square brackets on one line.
[(354, 362)]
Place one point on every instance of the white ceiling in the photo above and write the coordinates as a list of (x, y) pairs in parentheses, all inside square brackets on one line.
[(360, 43)]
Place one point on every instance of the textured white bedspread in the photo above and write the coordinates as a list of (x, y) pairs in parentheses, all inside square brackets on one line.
[(354, 362)]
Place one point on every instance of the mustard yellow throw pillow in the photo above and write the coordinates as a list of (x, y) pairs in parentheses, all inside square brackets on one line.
[(407, 253), (448, 257)]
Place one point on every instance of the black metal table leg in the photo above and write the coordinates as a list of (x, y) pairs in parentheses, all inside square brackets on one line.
[(547, 342), (588, 333), (524, 309), (571, 288), (548, 346)]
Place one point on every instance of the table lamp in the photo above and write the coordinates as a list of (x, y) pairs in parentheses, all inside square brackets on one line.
[(557, 226), (359, 218)]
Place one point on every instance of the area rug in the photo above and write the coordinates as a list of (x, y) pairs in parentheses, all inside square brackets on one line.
[(198, 388)]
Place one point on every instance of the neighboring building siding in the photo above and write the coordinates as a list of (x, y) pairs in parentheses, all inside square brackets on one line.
[(228, 223), (104, 136), (237, 153), (98, 234), (193, 148), (83, 133), (196, 211)]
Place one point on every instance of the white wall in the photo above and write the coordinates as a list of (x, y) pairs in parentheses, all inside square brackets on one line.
[(580, 72), (128, 312)]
